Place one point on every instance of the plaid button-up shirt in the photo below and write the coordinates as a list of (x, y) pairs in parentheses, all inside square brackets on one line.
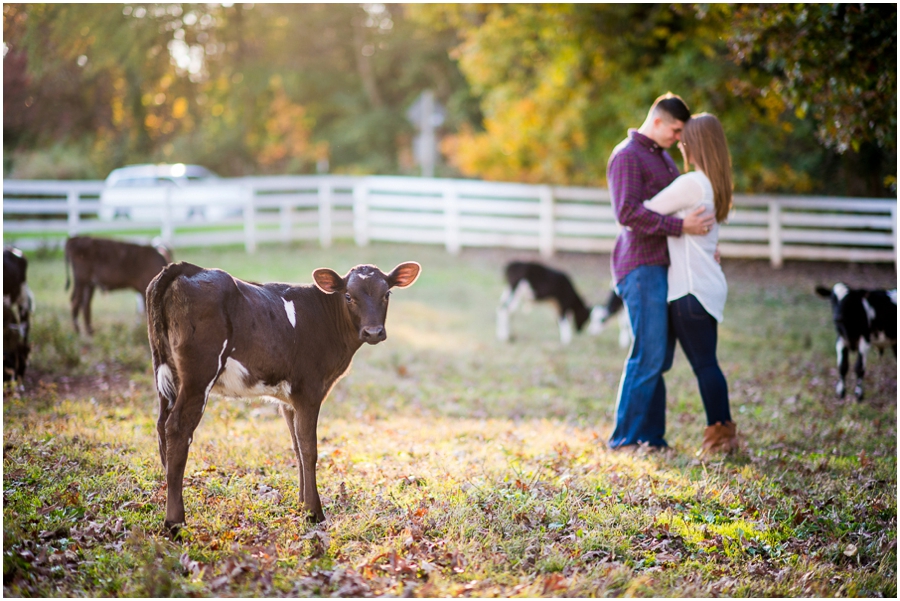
[(639, 168)]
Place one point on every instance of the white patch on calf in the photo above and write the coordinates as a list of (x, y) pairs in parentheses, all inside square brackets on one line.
[(215, 377), (870, 312), (840, 291), (165, 383), (232, 384), (863, 351), (291, 312), (892, 294)]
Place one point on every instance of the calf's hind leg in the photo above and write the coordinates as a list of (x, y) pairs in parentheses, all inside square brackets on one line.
[(76, 301), (180, 424), (860, 369)]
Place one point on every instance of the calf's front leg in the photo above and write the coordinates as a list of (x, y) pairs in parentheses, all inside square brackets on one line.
[(302, 421), (843, 361)]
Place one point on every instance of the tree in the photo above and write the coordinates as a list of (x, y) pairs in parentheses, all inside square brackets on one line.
[(241, 88), (559, 85), (834, 62)]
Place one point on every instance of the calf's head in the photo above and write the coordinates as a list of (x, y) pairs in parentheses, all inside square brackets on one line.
[(366, 290)]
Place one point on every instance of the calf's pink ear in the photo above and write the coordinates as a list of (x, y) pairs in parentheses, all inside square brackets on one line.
[(328, 280), (404, 274)]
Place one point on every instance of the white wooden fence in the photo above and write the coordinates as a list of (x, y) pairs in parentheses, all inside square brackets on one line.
[(453, 213)]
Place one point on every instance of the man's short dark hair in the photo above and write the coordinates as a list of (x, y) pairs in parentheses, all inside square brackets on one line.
[(673, 106)]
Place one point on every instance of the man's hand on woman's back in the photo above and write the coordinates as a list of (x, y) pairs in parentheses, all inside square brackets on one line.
[(698, 222)]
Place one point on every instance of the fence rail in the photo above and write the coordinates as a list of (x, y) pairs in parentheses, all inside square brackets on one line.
[(452, 213)]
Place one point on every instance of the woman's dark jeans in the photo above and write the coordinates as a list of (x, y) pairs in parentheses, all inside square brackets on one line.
[(697, 331)]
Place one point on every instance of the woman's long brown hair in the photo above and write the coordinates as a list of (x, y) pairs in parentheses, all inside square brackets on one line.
[(704, 143)]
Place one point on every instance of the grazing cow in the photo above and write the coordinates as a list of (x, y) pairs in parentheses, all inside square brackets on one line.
[(18, 305), (533, 281), (862, 318), (109, 265), (213, 333)]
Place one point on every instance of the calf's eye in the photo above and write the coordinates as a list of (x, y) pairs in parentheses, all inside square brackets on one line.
[(347, 296)]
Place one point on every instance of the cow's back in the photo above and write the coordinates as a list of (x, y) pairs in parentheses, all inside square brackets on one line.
[(884, 303), (113, 265)]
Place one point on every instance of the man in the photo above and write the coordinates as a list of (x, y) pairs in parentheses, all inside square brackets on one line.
[(638, 168)]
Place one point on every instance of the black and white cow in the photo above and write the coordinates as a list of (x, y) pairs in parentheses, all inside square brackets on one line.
[(18, 306), (528, 281), (863, 319)]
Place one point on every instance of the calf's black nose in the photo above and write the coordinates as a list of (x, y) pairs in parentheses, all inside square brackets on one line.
[(373, 334)]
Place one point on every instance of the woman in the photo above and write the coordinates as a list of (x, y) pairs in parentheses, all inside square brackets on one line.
[(697, 287)]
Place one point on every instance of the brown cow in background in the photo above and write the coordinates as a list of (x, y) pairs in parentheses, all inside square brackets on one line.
[(18, 305), (109, 265)]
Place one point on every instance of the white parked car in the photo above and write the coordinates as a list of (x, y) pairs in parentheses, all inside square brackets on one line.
[(146, 192)]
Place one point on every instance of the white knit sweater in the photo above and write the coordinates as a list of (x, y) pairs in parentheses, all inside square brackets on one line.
[(693, 268)]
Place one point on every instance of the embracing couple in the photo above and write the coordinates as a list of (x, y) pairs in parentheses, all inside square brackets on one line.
[(666, 270)]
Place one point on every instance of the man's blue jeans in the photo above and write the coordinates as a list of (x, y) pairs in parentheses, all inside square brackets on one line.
[(641, 402)]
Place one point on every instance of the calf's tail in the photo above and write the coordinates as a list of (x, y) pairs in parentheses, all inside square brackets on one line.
[(156, 310)]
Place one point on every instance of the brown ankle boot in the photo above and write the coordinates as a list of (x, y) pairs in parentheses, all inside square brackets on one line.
[(719, 438)]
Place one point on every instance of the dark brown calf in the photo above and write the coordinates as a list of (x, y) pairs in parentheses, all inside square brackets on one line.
[(109, 265), (18, 305), (213, 333)]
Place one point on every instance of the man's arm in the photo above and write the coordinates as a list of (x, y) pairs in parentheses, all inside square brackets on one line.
[(625, 186)]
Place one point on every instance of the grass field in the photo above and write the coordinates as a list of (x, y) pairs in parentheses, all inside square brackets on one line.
[(451, 464)]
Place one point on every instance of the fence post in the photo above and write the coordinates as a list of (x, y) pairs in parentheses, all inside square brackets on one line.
[(545, 221), (894, 225), (249, 220), (167, 232), (74, 215), (361, 213), (285, 219), (451, 218), (775, 247), (325, 215)]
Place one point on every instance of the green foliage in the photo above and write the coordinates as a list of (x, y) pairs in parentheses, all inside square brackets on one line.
[(453, 465), (243, 89), (560, 84), (835, 62), (535, 93)]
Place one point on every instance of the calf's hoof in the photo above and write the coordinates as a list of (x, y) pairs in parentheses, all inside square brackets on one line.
[(173, 529), (858, 391), (315, 517)]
